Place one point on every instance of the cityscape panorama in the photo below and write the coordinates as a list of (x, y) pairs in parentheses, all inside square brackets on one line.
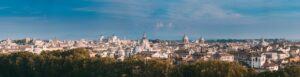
[(149, 38)]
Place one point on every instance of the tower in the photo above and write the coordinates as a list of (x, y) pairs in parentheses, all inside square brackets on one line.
[(113, 39), (144, 36), (101, 38), (145, 42), (185, 39), (201, 40)]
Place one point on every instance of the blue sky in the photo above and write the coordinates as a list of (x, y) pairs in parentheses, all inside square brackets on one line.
[(164, 19)]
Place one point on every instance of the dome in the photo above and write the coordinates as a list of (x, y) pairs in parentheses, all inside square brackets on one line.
[(263, 43), (201, 40)]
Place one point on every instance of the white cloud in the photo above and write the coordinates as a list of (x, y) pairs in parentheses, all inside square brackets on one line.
[(159, 25), (163, 25), (196, 9), (128, 8), (216, 11), (170, 25), (185, 9)]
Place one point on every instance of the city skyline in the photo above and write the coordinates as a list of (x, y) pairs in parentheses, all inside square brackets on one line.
[(145, 35), (167, 19)]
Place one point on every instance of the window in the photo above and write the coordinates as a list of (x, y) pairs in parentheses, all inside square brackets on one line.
[(256, 59)]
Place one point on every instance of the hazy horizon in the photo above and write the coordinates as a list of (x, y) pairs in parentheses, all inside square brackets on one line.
[(191, 38)]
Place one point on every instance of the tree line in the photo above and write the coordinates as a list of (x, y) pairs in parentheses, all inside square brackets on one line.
[(78, 63)]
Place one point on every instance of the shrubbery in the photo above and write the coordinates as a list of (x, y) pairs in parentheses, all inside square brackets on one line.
[(77, 63)]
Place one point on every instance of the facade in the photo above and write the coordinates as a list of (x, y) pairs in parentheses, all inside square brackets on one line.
[(259, 55), (101, 39), (145, 44), (224, 57), (186, 41), (257, 60)]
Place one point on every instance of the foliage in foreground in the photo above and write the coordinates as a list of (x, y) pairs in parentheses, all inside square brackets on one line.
[(77, 63)]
